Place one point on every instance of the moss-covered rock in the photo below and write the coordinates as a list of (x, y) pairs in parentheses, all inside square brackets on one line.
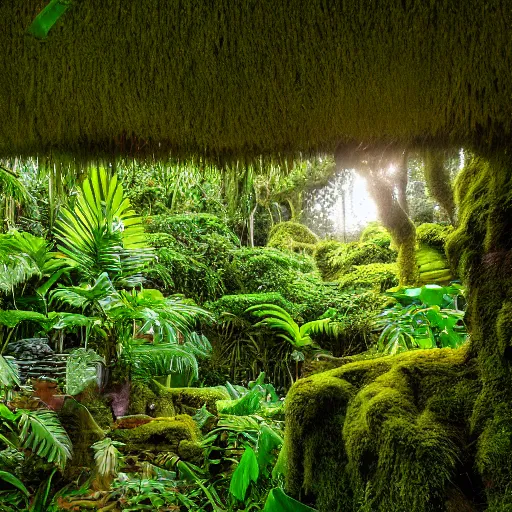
[(151, 399), (189, 400), (386, 434), (292, 236), (162, 435)]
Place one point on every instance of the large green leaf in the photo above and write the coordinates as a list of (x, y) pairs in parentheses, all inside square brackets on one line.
[(268, 443), (247, 404), (432, 295), (278, 501), (14, 481), (246, 472)]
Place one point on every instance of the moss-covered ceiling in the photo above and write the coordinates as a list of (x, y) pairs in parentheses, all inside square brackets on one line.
[(254, 76)]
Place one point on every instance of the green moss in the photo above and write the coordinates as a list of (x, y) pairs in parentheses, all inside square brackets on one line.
[(292, 236), (385, 434), (161, 434), (433, 235), (323, 253), (264, 269), (151, 399), (433, 267), (188, 400), (377, 276)]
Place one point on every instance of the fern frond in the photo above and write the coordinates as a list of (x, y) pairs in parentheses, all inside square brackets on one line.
[(42, 432)]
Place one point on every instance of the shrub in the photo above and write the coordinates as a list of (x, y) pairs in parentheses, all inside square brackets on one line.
[(376, 233), (193, 252), (264, 269), (292, 236), (334, 258), (377, 276), (237, 304), (323, 253)]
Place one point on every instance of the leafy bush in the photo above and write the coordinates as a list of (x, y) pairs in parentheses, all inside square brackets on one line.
[(193, 252), (425, 317), (360, 254), (190, 230), (238, 304), (292, 236), (376, 233), (264, 269), (322, 255)]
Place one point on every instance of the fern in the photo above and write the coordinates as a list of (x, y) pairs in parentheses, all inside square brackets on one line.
[(276, 318), (42, 432)]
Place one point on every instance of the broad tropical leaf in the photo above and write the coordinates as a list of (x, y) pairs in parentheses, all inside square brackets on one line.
[(107, 457), (14, 481), (9, 373), (246, 472), (278, 501)]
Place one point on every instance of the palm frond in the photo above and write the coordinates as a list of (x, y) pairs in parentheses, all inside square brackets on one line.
[(42, 432), (9, 373), (100, 232), (148, 361)]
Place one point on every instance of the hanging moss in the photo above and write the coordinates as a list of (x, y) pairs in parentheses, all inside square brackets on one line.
[(385, 434), (242, 80), (292, 236)]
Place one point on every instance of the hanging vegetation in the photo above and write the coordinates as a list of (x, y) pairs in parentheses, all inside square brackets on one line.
[(253, 77)]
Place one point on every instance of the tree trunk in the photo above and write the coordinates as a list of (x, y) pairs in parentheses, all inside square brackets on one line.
[(438, 182)]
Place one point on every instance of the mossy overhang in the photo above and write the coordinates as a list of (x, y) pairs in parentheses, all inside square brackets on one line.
[(254, 77)]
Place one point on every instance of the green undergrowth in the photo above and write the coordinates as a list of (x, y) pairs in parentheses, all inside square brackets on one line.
[(389, 433), (292, 236)]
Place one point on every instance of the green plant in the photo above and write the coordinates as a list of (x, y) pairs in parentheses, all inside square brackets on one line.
[(277, 318), (99, 232), (425, 317), (107, 457), (9, 376), (81, 369)]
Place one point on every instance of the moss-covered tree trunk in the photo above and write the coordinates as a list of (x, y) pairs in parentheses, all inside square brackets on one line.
[(481, 248), (399, 224), (437, 177), (388, 192), (427, 430)]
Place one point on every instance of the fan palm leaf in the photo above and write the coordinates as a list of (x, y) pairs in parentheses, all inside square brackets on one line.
[(101, 232)]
